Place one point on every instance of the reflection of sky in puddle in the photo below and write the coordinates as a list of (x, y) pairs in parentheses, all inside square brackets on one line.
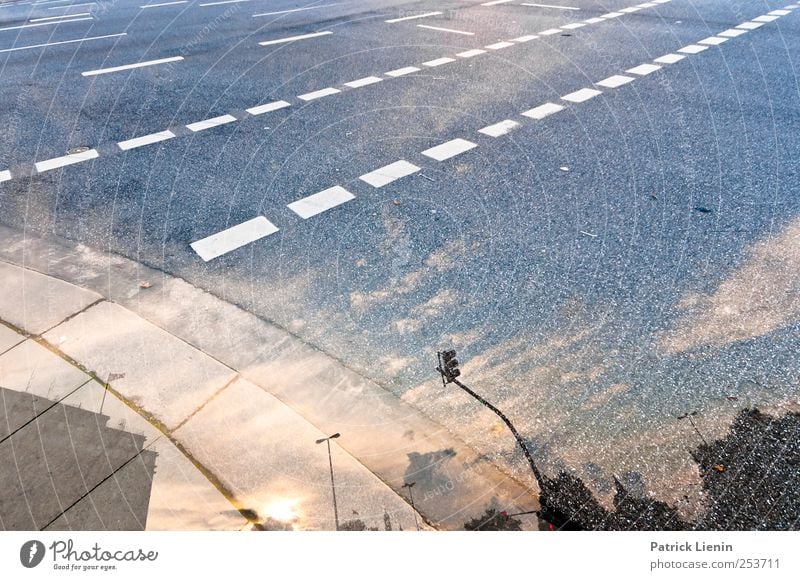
[(283, 510)]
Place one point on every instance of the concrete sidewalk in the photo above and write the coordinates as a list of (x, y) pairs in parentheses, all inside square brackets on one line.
[(231, 403)]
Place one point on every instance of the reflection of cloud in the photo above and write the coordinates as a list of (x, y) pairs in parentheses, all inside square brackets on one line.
[(428, 469), (604, 397), (406, 325), (437, 262), (434, 306), (760, 297), (392, 365)]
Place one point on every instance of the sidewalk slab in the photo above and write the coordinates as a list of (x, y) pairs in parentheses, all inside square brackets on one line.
[(266, 453), (8, 338), (147, 365), (35, 303)]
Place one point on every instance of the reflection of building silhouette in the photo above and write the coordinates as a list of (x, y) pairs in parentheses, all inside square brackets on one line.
[(387, 521), (63, 468)]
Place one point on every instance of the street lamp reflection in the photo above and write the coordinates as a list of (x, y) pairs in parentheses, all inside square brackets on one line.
[(282, 510)]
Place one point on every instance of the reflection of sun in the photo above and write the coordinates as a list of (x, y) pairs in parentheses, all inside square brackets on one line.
[(282, 510)]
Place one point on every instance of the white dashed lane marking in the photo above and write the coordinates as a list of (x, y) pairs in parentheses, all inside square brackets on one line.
[(749, 25), (573, 26), (233, 238), (5, 175), (389, 173), (593, 20), (615, 81), (499, 45), (102, 71), (643, 69), (426, 15), (71, 159), (321, 202), (550, 6), (160, 4), (496, 2), (669, 58), (445, 29), (210, 123), (471, 53), (44, 24), (613, 15), (295, 10), (526, 38), (402, 71), (294, 38), (712, 40), (318, 94), (499, 129), (449, 149), (145, 140), (63, 42), (550, 31), (581, 95), (363, 82), (765, 19), (268, 107), (438, 61), (543, 111), (59, 17), (693, 49), (732, 33)]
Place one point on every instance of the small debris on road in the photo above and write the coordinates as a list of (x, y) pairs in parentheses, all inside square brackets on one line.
[(588, 234), (397, 202), (144, 284), (428, 178), (701, 209), (564, 168)]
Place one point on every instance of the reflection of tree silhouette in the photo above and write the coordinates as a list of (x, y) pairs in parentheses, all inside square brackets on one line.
[(425, 468), (355, 526), (493, 521), (751, 477)]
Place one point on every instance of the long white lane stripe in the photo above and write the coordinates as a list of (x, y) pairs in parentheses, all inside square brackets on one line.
[(320, 202), (499, 129), (363, 82), (293, 38), (145, 140), (389, 173), (44, 24), (164, 4), (449, 149), (60, 17), (233, 238), (56, 162), (496, 2), (318, 94), (445, 29), (5, 175), (102, 71), (268, 107), (550, 6), (296, 10), (543, 111), (63, 42), (393, 20), (581, 95), (402, 71), (209, 123)]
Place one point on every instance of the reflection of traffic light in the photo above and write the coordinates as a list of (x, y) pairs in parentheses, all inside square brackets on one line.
[(450, 365)]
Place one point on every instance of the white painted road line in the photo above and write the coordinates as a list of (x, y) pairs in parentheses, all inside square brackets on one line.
[(363, 82), (630, 9), (581, 95), (496, 2), (393, 20), (449, 149), (438, 61), (233, 238), (499, 129), (749, 25), (713, 40), (612, 15), (669, 58), (402, 71), (318, 94), (765, 18), (526, 38), (471, 53), (445, 29), (543, 111), (102, 71), (210, 123), (550, 6), (693, 49), (164, 4), (296, 10), (268, 107), (779, 12), (63, 42), (550, 31), (732, 33), (56, 162), (145, 140), (499, 45), (5, 175), (389, 173), (293, 38), (593, 20), (643, 69), (44, 24), (320, 202), (72, 6), (573, 26), (60, 17), (614, 81)]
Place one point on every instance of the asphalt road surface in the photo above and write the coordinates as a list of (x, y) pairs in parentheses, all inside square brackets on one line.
[(595, 203)]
